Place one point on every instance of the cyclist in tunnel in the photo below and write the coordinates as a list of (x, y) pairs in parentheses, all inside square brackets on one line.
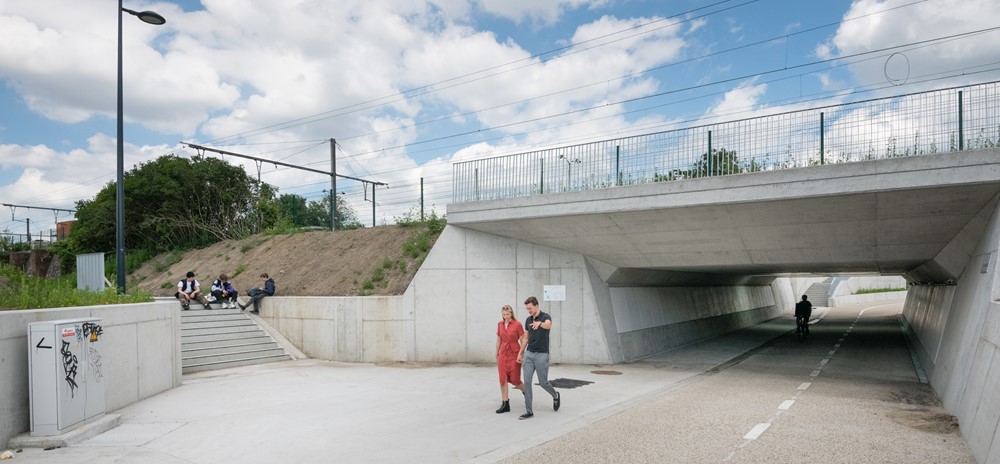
[(803, 310)]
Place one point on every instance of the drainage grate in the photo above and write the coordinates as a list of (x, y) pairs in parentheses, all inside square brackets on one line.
[(568, 383)]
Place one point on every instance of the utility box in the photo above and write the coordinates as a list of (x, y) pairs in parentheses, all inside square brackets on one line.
[(65, 380)]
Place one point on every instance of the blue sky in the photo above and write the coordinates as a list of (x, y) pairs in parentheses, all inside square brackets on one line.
[(397, 81)]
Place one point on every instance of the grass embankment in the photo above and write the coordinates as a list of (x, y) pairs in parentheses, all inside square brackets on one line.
[(862, 291), (19, 291)]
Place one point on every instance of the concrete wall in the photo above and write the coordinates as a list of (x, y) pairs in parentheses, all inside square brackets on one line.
[(958, 340), (855, 283), (651, 320), (450, 310), (142, 357)]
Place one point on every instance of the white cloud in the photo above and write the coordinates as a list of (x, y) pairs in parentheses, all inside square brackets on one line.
[(544, 11), (918, 22)]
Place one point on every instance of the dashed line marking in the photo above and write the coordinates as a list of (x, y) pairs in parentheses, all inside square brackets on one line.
[(804, 385), (832, 352), (823, 362), (837, 345), (756, 431), (814, 373), (785, 405)]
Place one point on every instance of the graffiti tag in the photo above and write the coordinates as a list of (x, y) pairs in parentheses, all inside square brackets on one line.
[(94, 331), (95, 364), (69, 367)]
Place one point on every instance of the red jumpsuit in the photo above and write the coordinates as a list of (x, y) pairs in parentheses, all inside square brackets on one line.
[(510, 369)]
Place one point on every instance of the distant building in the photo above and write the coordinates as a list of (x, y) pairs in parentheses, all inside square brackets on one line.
[(63, 228)]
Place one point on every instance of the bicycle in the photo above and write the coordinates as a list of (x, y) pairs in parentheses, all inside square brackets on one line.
[(802, 327)]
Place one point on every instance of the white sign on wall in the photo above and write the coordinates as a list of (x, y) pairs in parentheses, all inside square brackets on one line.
[(554, 293)]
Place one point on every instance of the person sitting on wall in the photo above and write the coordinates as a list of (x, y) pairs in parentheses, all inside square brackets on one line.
[(265, 288), (189, 289), (222, 290)]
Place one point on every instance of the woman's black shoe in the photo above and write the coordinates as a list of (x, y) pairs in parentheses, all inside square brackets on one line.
[(504, 407)]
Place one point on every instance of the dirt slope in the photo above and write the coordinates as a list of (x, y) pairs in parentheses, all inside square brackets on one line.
[(320, 263)]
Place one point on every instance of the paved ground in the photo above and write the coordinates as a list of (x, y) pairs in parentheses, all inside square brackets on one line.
[(847, 394)]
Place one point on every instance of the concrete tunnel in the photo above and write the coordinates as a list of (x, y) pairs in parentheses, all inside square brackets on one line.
[(653, 266)]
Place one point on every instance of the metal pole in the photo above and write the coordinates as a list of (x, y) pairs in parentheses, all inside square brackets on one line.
[(373, 205), (821, 138), (120, 186), (618, 165), (709, 154), (333, 184), (421, 199), (961, 131), (28, 225), (541, 181)]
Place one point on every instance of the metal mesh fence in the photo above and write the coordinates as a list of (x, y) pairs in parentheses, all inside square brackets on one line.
[(938, 121)]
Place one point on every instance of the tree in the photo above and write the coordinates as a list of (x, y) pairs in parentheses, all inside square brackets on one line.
[(317, 213), (175, 202), (721, 162)]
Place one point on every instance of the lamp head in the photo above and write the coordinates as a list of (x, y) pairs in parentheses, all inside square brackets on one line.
[(150, 17)]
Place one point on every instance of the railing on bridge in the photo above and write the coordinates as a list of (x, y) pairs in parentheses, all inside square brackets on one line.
[(938, 121)]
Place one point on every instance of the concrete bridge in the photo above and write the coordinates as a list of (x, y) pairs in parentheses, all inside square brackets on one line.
[(654, 266)]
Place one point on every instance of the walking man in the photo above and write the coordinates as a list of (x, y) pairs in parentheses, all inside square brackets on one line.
[(534, 355)]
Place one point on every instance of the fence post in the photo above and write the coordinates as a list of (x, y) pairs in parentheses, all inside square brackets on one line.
[(541, 180), (476, 183), (961, 131), (821, 161), (708, 155), (618, 166)]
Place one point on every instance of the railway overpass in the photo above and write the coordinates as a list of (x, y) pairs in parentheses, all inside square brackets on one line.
[(649, 267)]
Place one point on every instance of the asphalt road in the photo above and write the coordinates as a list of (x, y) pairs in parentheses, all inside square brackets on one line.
[(849, 393)]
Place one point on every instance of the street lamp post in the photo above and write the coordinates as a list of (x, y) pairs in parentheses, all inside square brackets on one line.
[(569, 168), (155, 19)]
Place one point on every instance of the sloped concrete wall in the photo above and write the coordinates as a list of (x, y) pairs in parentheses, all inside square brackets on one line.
[(142, 356), (450, 310), (957, 328)]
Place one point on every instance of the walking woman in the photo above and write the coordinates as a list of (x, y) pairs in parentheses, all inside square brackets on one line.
[(508, 347)]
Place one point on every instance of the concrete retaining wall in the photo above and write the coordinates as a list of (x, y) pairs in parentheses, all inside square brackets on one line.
[(866, 298), (450, 310), (142, 357), (958, 341)]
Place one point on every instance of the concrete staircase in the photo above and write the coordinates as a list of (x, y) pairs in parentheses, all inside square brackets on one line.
[(819, 292), (221, 338)]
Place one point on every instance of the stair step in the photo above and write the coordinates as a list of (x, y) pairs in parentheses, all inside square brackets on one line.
[(227, 364), (234, 356), (231, 322), (251, 327), (231, 341), (189, 353), (219, 336)]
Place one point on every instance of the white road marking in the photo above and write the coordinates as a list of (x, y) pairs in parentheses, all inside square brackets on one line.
[(756, 431), (786, 404), (823, 362), (832, 352), (837, 345), (804, 385), (814, 373)]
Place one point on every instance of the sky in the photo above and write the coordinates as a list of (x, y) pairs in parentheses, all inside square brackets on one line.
[(407, 87)]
